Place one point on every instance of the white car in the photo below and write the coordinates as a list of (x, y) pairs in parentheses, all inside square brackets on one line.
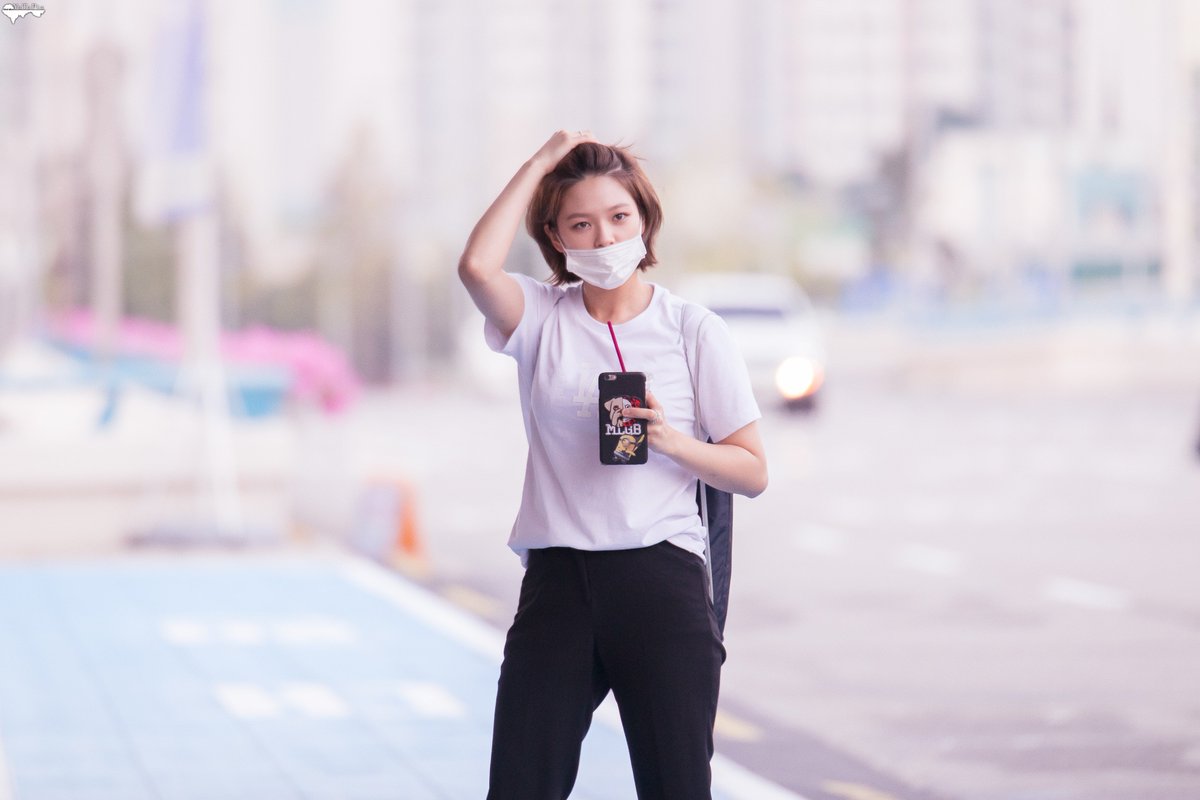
[(773, 322)]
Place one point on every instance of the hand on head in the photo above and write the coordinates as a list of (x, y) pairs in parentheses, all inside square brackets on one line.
[(558, 145)]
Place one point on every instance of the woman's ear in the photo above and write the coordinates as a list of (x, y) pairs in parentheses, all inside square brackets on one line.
[(552, 235)]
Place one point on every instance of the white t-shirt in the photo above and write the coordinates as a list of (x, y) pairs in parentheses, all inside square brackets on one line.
[(570, 499)]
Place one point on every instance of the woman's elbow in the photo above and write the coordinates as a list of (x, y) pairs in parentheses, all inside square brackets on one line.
[(758, 484), (469, 270)]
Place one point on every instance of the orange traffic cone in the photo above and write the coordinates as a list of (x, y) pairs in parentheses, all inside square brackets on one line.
[(408, 551)]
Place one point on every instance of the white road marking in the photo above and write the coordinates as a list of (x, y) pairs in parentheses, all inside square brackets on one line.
[(928, 559), (731, 778), (250, 701), (314, 631), (317, 631), (820, 539), (432, 700), (433, 611), (1085, 594), (185, 632), (247, 701), (240, 632), (314, 700)]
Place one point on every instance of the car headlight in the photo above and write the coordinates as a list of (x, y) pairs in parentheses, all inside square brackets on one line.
[(798, 377)]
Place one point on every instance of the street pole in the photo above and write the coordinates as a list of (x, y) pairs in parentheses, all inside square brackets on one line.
[(188, 200), (104, 165), (1180, 163), (202, 377)]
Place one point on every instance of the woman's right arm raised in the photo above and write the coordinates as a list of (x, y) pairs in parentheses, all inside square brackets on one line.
[(481, 267)]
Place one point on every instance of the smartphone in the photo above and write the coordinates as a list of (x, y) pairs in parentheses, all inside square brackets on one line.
[(622, 441)]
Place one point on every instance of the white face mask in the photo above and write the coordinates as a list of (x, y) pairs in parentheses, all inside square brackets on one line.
[(607, 267)]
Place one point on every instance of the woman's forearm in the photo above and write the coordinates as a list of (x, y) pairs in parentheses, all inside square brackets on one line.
[(489, 243), (492, 238), (739, 467)]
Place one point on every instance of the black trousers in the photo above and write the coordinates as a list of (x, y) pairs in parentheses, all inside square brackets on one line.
[(638, 622)]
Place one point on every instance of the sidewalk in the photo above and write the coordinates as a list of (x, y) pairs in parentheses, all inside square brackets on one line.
[(288, 675)]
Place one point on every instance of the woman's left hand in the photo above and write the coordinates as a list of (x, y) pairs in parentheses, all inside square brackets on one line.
[(659, 435)]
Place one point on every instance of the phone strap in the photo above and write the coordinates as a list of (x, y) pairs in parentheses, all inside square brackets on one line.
[(616, 346)]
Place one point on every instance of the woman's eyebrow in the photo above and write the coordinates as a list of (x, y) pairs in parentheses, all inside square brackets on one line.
[(609, 210)]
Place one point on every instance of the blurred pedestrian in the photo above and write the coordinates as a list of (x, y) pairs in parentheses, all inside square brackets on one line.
[(615, 593)]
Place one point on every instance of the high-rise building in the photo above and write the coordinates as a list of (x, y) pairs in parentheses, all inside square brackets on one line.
[(1027, 64), (18, 218), (1180, 166)]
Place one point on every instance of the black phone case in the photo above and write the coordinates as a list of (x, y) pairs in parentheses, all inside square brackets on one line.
[(622, 441)]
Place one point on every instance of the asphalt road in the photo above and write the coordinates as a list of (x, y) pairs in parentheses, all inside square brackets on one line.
[(972, 576)]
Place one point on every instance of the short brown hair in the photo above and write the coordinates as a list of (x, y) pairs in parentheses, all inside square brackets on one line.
[(584, 161)]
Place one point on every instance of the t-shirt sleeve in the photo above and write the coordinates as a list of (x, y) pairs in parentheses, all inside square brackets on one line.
[(539, 299), (726, 401)]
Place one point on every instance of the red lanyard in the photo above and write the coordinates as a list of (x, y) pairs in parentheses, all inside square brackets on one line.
[(616, 346)]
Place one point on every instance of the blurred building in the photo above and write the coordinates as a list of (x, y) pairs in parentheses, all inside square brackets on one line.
[(1051, 175), (18, 215), (1180, 155), (998, 139)]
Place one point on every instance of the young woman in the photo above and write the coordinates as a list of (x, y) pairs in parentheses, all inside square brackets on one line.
[(615, 591)]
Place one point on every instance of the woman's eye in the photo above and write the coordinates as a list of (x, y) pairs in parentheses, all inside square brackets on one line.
[(578, 226), (620, 215)]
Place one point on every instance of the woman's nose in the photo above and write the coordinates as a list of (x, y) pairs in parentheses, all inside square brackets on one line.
[(604, 236)]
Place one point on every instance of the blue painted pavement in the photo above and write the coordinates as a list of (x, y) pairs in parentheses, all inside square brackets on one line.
[(243, 677)]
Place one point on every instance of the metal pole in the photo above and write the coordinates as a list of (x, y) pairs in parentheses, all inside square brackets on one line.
[(204, 377), (104, 173), (1180, 167)]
